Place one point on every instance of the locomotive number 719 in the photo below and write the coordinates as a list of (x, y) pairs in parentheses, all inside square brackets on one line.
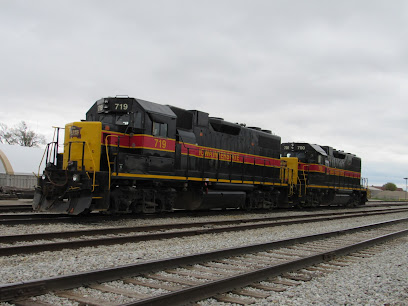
[(160, 143), (121, 106)]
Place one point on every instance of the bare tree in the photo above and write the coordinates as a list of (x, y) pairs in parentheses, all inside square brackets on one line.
[(20, 135), (5, 135)]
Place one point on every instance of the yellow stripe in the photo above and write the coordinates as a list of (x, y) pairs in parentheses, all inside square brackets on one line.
[(151, 176), (198, 179), (333, 187), (147, 148), (146, 135)]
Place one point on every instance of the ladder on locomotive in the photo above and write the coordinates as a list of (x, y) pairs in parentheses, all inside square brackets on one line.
[(302, 182)]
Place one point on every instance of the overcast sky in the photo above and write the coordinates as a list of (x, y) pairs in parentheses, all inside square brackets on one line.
[(327, 72)]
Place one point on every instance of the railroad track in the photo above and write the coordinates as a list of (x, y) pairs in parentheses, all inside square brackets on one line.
[(44, 218), (12, 245), (15, 207), (238, 275)]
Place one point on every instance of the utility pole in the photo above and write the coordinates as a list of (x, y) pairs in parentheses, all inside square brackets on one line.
[(405, 178)]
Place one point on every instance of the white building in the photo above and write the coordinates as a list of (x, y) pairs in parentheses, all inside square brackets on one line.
[(19, 165)]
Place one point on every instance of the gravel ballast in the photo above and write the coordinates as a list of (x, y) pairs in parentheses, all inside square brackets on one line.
[(376, 280), (46, 264), (379, 280)]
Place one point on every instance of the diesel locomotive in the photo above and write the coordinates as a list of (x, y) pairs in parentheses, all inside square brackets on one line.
[(136, 156)]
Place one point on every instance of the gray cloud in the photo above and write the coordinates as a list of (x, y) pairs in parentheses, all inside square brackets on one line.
[(325, 72)]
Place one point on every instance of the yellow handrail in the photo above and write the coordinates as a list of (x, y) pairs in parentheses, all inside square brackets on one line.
[(93, 161), (107, 156)]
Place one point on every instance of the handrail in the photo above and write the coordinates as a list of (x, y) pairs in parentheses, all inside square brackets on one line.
[(203, 166), (107, 156), (83, 157)]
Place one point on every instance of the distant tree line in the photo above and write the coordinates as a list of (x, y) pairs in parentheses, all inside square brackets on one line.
[(21, 135), (390, 186)]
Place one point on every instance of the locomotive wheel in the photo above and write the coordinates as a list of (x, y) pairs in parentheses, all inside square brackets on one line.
[(248, 204)]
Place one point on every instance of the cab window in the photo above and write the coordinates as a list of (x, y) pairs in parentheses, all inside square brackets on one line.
[(300, 155), (159, 129), (106, 118), (122, 119), (137, 120)]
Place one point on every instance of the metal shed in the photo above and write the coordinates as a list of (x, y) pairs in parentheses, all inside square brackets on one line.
[(19, 166)]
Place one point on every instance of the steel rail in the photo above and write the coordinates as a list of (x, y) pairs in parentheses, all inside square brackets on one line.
[(56, 246), (211, 288), (16, 207), (13, 291)]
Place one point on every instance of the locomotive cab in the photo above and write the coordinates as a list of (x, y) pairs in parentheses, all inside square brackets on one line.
[(122, 140), (305, 152), (118, 114)]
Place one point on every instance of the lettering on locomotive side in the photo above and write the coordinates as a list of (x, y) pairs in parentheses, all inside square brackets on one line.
[(207, 154), (212, 154), (75, 131)]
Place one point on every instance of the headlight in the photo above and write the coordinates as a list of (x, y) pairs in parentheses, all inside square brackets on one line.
[(43, 176), (76, 177)]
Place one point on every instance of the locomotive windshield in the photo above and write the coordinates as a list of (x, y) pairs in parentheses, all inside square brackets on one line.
[(132, 119), (300, 155), (122, 119), (106, 118)]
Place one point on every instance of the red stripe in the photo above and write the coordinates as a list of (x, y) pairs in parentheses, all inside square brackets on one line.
[(213, 153), (139, 141), (328, 170)]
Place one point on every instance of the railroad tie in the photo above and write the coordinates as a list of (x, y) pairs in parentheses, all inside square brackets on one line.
[(172, 279), (348, 260), (264, 259), (152, 285), (195, 275), (268, 288), (299, 277), (208, 270), (232, 299), (335, 263), (29, 302), (257, 262), (283, 282), (251, 293), (110, 289), (367, 252), (288, 254), (319, 269), (77, 297), (358, 255), (231, 266)]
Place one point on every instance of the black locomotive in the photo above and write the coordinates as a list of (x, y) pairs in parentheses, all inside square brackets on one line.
[(131, 155), (325, 175)]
